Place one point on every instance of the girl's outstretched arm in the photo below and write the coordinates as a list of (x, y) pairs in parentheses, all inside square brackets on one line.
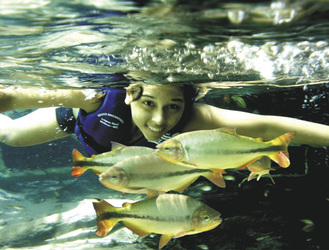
[(34, 128), (13, 97), (254, 125), (41, 125)]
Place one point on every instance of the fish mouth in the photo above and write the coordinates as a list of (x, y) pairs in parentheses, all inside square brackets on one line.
[(217, 221)]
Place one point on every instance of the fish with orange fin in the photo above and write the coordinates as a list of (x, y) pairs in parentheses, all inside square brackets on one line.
[(99, 163), (172, 215), (259, 168), (223, 149), (152, 175)]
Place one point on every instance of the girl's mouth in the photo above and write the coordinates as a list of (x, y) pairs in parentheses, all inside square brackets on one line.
[(154, 129)]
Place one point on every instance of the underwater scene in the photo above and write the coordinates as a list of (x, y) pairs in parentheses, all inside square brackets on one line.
[(262, 57)]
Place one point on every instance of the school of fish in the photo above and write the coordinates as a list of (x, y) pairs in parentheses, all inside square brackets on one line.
[(173, 166)]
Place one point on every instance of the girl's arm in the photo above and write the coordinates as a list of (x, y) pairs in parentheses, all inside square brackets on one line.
[(41, 125), (253, 125), (34, 128), (12, 98)]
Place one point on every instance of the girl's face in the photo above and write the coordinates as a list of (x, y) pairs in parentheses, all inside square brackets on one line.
[(158, 110)]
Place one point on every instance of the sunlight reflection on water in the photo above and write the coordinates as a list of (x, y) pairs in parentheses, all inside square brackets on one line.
[(54, 42)]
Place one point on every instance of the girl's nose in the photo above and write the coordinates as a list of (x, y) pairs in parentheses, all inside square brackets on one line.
[(158, 117)]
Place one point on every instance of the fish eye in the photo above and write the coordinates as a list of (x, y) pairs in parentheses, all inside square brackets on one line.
[(114, 178), (206, 217)]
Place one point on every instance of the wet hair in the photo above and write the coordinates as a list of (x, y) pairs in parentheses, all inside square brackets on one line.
[(189, 91), (190, 95)]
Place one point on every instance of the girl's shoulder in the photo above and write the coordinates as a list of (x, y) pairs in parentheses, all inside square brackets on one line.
[(204, 116)]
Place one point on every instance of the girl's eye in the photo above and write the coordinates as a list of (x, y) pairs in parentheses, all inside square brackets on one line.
[(173, 106), (149, 103)]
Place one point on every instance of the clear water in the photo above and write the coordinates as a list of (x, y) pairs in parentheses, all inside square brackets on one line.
[(267, 55)]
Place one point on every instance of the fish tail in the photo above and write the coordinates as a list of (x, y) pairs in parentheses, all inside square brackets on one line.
[(104, 222), (216, 177), (77, 158), (77, 171), (282, 157), (282, 140)]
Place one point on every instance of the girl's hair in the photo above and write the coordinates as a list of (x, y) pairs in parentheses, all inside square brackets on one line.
[(191, 93)]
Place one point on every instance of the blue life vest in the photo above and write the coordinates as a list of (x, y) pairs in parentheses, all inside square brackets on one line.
[(112, 122)]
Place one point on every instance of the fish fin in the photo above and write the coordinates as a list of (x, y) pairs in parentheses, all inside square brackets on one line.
[(231, 131), (249, 163), (184, 186), (126, 205), (96, 172), (260, 167), (152, 193), (186, 164), (104, 225), (77, 156), (165, 238), (282, 157), (259, 164), (216, 177), (117, 146), (103, 206), (271, 178), (259, 175), (136, 229), (251, 176), (78, 171), (181, 234), (283, 139)]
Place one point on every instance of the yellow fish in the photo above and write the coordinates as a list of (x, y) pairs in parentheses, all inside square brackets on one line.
[(101, 162), (152, 175), (223, 149), (171, 215), (259, 168)]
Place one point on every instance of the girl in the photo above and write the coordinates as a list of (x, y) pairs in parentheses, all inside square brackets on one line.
[(141, 114)]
